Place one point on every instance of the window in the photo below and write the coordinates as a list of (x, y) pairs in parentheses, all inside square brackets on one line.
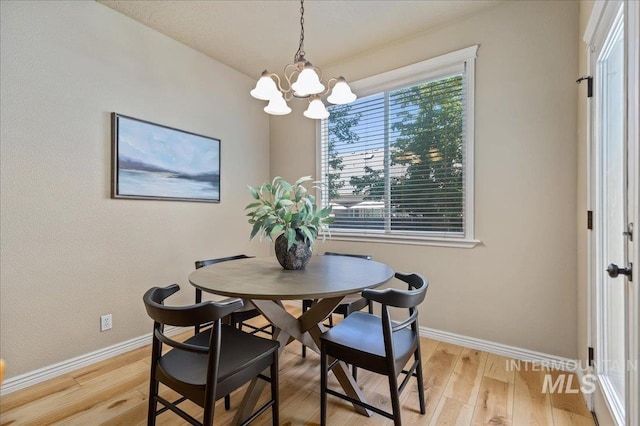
[(397, 163)]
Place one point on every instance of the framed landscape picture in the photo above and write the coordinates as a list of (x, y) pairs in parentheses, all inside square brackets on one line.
[(151, 161)]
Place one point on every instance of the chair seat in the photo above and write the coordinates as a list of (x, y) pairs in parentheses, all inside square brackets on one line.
[(238, 350), (361, 333)]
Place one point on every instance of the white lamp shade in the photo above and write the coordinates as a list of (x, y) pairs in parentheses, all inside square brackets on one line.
[(277, 106), (341, 93), (308, 83), (316, 110), (265, 89)]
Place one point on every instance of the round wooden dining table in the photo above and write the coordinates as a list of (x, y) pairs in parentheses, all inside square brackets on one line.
[(326, 279)]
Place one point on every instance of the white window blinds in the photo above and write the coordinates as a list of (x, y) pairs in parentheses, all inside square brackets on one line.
[(394, 162)]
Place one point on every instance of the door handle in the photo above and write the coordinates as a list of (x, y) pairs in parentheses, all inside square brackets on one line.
[(614, 271)]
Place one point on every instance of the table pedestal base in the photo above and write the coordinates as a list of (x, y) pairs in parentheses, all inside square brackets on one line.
[(306, 329)]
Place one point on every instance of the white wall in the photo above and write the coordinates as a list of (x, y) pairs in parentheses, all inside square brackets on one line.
[(69, 253), (519, 287)]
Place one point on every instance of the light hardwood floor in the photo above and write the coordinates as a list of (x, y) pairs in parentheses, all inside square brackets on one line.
[(463, 387)]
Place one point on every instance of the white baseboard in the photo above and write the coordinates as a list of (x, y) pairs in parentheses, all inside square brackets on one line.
[(49, 372), (37, 376), (517, 353), (538, 358)]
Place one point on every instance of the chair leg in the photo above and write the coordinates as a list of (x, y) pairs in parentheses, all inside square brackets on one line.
[(207, 420), (275, 392), (227, 398), (354, 373), (395, 398), (153, 403), (209, 402), (198, 300), (235, 323), (304, 348), (154, 385), (323, 385), (418, 357)]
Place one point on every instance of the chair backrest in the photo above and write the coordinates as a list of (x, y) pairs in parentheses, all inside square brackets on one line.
[(391, 297), (184, 316), (202, 263), (409, 298), (361, 256)]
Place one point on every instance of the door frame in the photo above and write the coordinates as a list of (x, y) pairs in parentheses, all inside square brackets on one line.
[(632, 34), (603, 13)]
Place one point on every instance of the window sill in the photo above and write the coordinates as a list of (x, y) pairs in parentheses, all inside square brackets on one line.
[(406, 239)]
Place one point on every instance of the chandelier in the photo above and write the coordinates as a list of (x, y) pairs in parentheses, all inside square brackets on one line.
[(303, 80)]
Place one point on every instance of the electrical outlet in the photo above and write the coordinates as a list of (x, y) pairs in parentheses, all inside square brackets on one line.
[(105, 322)]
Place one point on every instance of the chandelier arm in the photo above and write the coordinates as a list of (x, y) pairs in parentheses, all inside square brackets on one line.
[(278, 81), (289, 71), (333, 80)]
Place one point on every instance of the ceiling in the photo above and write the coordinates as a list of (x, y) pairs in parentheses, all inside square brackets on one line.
[(252, 35)]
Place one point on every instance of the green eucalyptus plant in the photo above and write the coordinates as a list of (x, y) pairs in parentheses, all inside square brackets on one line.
[(283, 208)]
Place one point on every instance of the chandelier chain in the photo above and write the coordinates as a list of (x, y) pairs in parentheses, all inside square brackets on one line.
[(300, 53)]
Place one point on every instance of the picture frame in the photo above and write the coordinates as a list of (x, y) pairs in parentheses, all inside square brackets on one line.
[(155, 162)]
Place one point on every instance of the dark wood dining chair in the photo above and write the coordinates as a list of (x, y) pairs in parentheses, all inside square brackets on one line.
[(248, 311), (351, 303), (236, 318), (378, 344), (209, 365)]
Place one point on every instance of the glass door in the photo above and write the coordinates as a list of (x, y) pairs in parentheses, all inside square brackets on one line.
[(612, 239)]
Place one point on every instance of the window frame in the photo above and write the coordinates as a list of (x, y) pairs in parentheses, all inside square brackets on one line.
[(460, 60)]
